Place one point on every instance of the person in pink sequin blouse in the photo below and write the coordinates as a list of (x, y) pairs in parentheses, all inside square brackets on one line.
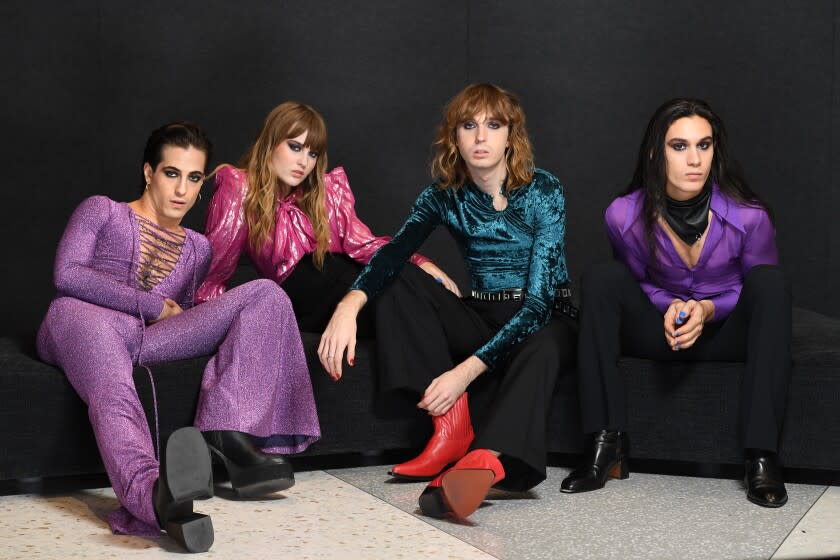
[(295, 221)]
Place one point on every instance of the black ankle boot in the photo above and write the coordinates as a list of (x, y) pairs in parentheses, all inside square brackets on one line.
[(763, 478), (252, 472), (607, 458), (185, 475)]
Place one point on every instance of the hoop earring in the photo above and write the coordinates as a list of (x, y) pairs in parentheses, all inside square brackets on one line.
[(147, 186), (199, 195)]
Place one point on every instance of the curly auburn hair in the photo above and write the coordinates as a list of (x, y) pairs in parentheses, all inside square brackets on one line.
[(449, 168)]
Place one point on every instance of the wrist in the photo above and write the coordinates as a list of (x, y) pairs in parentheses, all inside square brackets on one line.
[(708, 310), (472, 367), (353, 302)]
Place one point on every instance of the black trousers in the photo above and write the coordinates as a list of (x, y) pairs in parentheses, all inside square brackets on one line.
[(425, 330), (315, 293), (618, 318)]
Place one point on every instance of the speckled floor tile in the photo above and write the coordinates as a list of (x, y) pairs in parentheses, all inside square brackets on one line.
[(321, 517), (645, 516), (818, 534)]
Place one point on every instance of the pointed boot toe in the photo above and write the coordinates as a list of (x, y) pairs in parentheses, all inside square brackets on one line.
[(452, 436)]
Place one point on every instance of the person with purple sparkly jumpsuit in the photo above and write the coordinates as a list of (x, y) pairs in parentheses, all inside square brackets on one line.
[(126, 276)]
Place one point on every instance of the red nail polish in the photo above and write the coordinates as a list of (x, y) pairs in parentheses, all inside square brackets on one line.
[(352, 362)]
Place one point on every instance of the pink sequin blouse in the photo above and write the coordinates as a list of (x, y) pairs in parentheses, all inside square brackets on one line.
[(292, 237)]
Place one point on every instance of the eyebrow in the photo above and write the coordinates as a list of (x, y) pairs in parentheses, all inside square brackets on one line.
[(173, 168)]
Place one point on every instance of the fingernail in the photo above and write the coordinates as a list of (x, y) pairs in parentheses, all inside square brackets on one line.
[(682, 314), (439, 280), (676, 347), (352, 362), (676, 334)]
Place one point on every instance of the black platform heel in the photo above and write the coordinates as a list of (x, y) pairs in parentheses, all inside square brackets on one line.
[(186, 474), (252, 472), (607, 458)]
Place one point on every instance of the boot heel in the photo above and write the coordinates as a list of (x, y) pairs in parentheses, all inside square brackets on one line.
[(193, 532), (256, 480), (620, 470)]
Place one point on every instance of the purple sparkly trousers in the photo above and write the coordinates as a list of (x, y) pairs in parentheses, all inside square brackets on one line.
[(256, 382)]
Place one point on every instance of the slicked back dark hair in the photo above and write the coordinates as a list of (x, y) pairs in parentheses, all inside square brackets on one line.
[(180, 133)]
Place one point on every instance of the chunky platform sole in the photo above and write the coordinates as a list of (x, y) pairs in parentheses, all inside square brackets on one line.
[(194, 532), (256, 481), (459, 495), (188, 476)]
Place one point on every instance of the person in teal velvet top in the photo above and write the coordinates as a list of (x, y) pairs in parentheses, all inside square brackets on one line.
[(520, 246), (504, 342)]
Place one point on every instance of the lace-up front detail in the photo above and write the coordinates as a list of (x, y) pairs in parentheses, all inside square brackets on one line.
[(160, 250)]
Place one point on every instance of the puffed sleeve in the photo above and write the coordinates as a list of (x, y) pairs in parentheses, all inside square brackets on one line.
[(425, 215), (226, 230), (547, 271), (75, 276), (357, 241)]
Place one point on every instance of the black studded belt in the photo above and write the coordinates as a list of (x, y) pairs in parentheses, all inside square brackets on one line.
[(500, 295), (562, 298)]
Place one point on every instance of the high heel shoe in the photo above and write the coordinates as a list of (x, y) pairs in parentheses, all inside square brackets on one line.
[(252, 472), (460, 490), (452, 436), (607, 459), (185, 475), (763, 478)]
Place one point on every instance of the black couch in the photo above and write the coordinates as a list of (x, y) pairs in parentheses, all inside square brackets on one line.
[(677, 412)]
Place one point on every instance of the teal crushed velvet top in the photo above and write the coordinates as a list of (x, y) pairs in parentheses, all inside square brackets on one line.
[(521, 246)]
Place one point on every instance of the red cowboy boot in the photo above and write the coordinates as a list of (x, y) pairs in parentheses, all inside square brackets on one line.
[(450, 441), (460, 490)]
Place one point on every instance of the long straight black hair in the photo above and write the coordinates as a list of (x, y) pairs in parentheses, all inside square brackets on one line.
[(650, 174)]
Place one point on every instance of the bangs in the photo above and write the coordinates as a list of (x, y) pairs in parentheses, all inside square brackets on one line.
[(316, 137), (488, 100)]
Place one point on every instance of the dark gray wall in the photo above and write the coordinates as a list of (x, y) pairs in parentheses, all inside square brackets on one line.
[(85, 83)]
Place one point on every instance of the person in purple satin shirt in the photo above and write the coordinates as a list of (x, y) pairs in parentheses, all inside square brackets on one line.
[(126, 276), (696, 277), (295, 220)]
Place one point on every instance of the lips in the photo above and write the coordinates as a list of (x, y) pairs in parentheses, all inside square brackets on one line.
[(297, 174)]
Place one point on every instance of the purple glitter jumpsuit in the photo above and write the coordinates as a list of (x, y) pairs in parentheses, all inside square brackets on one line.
[(95, 330)]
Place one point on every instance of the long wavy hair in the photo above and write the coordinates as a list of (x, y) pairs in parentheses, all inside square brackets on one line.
[(450, 169), (651, 176), (288, 120)]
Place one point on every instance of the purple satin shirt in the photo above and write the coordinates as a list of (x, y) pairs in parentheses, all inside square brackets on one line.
[(292, 236), (739, 237)]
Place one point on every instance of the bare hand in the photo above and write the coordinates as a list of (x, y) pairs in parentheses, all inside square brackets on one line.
[(448, 387), (340, 334), (435, 272), (170, 309), (684, 322)]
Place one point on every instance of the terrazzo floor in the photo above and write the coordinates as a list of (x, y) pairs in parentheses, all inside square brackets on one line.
[(361, 513)]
